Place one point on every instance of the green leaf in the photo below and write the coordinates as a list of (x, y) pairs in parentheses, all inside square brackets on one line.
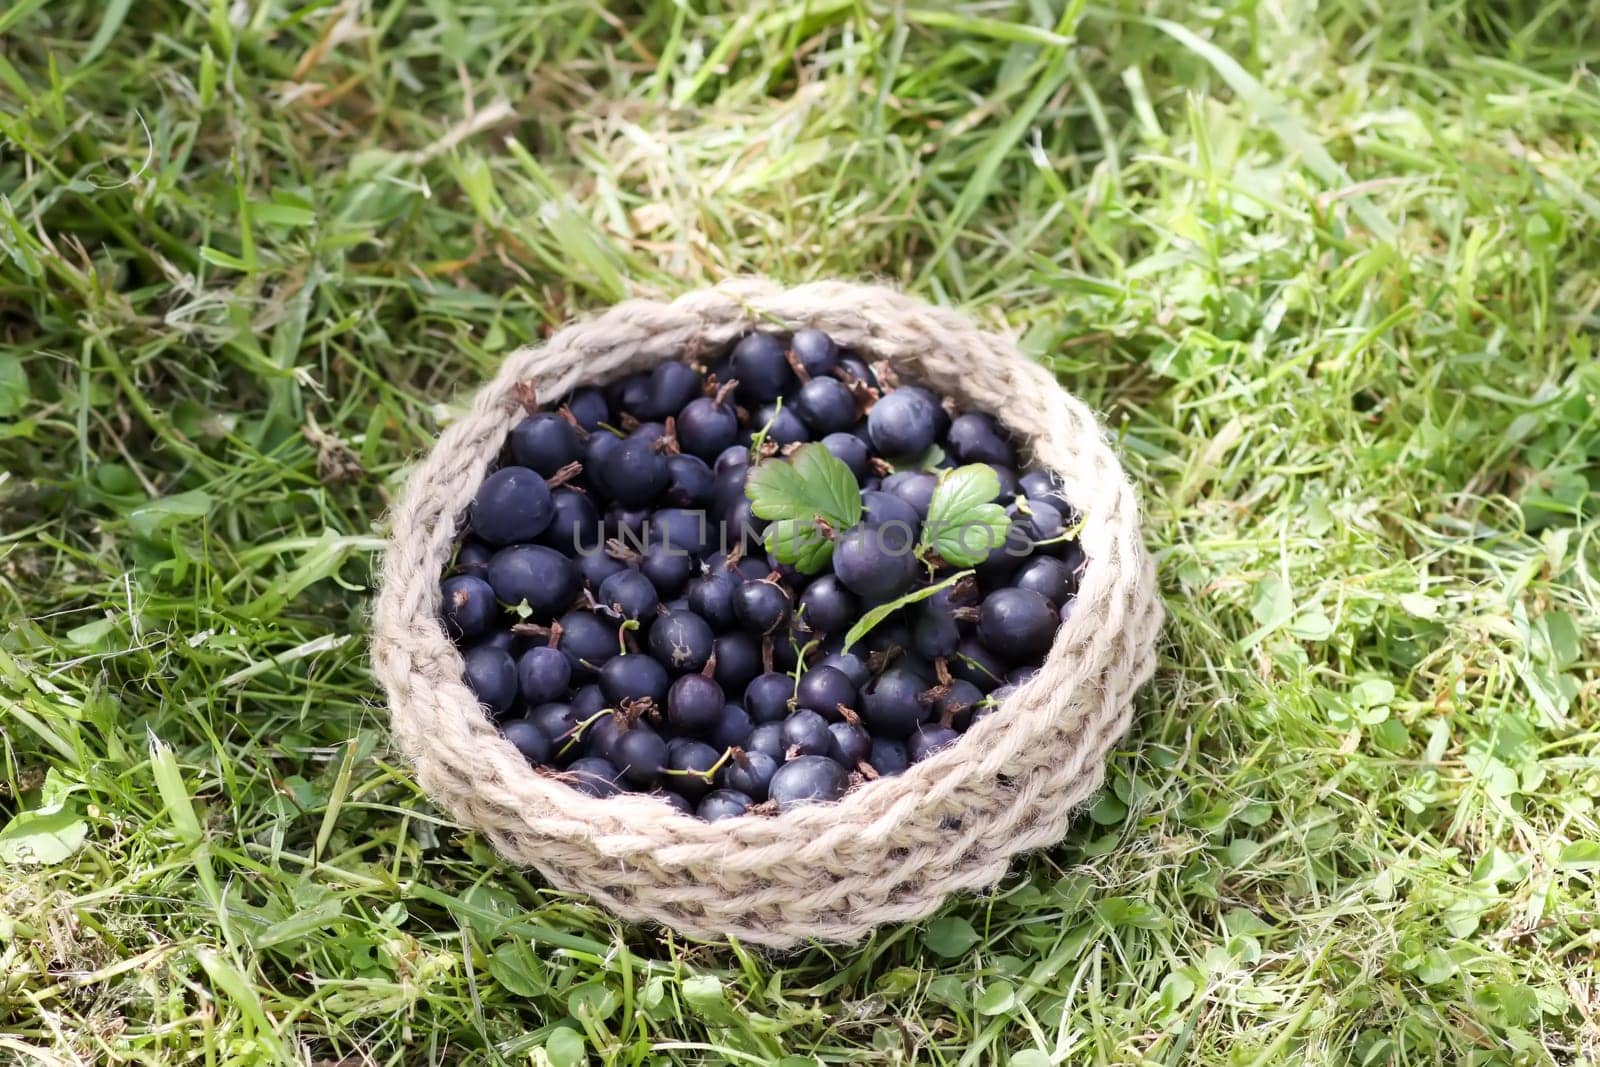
[(290, 215), (872, 618), (1176, 989), (1580, 856), (593, 1001), (1273, 604), (964, 523), (1562, 639), (950, 937), (565, 1047), (811, 484), (516, 968), (174, 794), (91, 634), (928, 461), (949, 989), (14, 386), (42, 837), (704, 994), (799, 543), (997, 999), (151, 518)]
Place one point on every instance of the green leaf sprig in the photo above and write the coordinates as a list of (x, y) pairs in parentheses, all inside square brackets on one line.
[(964, 523), (798, 496), (872, 618)]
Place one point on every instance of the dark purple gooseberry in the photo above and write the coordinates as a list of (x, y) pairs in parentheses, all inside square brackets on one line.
[(751, 771), (976, 438), (673, 800), (827, 607), (914, 487), (806, 733), (641, 756), (767, 697), (556, 722), (723, 804), (539, 577), (825, 406), (888, 757), (695, 705), (529, 740), (891, 704), (672, 385), (711, 597), (588, 407), (574, 523), (850, 745), (738, 661), (856, 369), (596, 567), (783, 425), (904, 422), (592, 775), (767, 738), (824, 689), (928, 739), (691, 760), (491, 674), (473, 558), (852, 452), (467, 606), (512, 506), (733, 726), (761, 366), (669, 569), (808, 779), (708, 428), (543, 675), (815, 351), (682, 641), (545, 442), (1018, 625)]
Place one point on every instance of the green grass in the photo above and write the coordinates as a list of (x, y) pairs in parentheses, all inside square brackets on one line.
[(1333, 277)]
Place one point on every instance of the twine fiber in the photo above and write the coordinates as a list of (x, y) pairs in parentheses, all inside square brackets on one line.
[(889, 851)]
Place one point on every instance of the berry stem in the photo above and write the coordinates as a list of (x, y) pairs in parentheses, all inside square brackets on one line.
[(796, 366), (577, 427), (532, 629), (527, 394), (575, 734), (667, 443), (621, 552), (565, 475)]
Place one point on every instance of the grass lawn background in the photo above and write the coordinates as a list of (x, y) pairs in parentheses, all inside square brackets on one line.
[(1332, 274)]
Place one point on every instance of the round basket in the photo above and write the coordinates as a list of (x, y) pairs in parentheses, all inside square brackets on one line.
[(890, 850)]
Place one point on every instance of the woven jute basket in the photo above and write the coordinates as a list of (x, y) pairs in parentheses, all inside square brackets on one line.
[(891, 850)]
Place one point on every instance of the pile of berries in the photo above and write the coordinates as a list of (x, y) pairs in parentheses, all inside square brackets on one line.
[(735, 584)]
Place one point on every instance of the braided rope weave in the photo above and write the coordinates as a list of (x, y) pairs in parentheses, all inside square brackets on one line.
[(890, 850)]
